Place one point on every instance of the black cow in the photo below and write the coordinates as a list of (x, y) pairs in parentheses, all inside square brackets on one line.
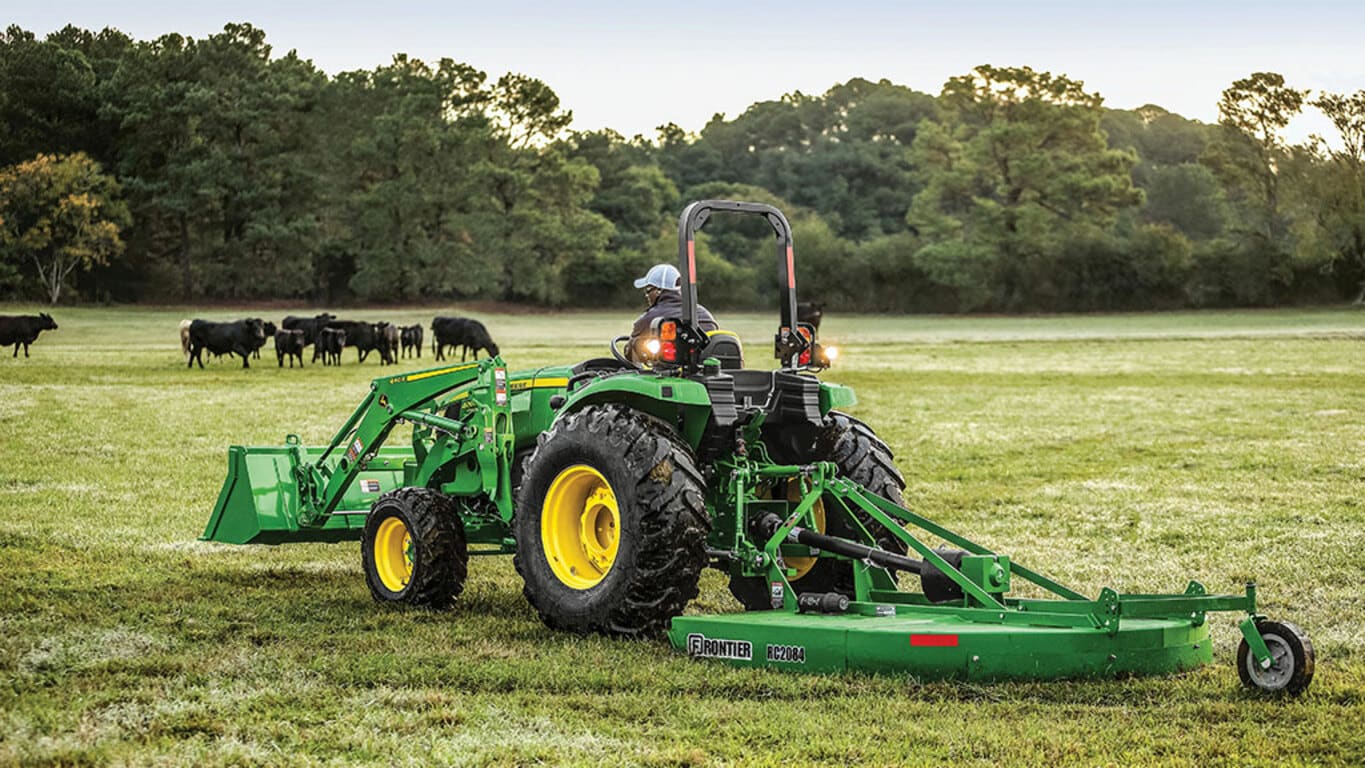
[(446, 332), (269, 329), (461, 332), (24, 329), (288, 344), (477, 339), (241, 337), (810, 312), (365, 337), (392, 337), (311, 327), (330, 342), (410, 337)]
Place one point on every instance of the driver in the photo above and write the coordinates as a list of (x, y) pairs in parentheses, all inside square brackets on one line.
[(663, 299)]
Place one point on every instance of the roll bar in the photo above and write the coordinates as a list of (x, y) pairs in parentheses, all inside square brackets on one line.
[(788, 341), (695, 216)]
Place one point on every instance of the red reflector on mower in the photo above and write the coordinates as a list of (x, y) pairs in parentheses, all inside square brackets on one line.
[(668, 351), (933, 641)]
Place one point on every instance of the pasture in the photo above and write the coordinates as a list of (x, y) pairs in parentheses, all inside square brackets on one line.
[(1134, 451)]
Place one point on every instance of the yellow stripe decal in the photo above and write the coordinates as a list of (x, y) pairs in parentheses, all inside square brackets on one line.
[(429, 374), (518, 385)]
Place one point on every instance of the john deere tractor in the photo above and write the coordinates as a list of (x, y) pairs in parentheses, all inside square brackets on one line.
[(614, 482)]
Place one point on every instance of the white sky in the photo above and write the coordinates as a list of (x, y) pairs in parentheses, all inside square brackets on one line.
[(635, 66)]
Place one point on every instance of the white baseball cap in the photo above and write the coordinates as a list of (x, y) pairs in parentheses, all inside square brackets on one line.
[(665, 277)]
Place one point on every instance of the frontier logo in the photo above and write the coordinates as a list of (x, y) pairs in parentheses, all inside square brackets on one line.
[(700, 646)]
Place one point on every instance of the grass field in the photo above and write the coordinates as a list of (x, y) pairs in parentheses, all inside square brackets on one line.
[(1133, 451)]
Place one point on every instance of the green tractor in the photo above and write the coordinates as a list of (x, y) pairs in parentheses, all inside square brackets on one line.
[(614, 482)]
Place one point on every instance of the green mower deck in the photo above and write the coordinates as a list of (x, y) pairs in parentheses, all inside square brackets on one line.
[(938, 647)]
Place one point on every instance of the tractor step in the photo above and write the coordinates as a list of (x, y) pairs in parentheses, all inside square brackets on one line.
[(939, 647)]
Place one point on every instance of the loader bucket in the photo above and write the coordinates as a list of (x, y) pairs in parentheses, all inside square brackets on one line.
[(259, 503)]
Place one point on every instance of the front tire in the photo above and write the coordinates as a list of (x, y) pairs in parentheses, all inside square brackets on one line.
[(413, 549), (611, 524)]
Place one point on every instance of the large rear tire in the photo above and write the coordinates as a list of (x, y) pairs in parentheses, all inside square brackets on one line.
[(413, 549), (611, 524), (863, 458)]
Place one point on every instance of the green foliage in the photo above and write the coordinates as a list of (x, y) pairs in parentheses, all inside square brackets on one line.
[(58, 214), (406, 138), (47, 97), (842, 154), (1188, 197), (1020, 172), (1248, 151), (1330, 227), (254, 175)]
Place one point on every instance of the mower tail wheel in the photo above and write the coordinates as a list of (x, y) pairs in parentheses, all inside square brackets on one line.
[(611, 524), (1292, 660), (413, 549)]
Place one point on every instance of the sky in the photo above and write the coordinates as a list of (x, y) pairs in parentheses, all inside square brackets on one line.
[(633, 66)]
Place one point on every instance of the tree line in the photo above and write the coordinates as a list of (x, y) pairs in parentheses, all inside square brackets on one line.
[(188, 169)]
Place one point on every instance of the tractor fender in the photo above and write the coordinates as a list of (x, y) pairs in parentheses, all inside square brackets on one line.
[(677, 401), (835, 396)]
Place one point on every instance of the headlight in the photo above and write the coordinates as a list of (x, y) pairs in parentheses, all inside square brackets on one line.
[(652, 346), (831, 353)]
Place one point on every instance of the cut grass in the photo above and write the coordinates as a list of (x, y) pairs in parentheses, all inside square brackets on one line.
[(1133, 451)]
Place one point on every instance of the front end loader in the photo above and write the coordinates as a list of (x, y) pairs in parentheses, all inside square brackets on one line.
[(613, 483)]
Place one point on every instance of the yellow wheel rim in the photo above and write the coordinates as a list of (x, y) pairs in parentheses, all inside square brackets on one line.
[(580, 526), (393, 554), (802, 565)]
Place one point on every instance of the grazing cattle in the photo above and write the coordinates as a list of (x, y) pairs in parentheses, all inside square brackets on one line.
[(288, 344), (465, 333), (330, 342), (477, 339), (365, 337), (24, 329), (311, 327), (269, 329), (410, 337), (241, 337), (446, 332), (391, 339), (810, 312), (185, 338)]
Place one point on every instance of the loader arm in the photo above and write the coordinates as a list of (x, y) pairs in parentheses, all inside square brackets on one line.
[(407, 398)]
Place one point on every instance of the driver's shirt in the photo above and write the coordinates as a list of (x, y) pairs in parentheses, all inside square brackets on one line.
[(669, 305)]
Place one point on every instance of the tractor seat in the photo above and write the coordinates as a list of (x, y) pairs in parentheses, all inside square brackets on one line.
[(725, 347)]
